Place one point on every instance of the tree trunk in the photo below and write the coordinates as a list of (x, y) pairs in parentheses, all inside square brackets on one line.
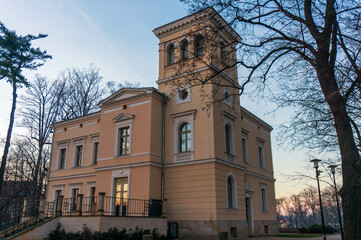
[(8, 137), (350, 157)]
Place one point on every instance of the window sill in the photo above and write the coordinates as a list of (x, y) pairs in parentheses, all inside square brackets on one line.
[(230, 157), (232, 209)]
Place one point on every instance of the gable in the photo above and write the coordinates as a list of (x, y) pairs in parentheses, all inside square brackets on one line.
[(123, 94), (123, 117)]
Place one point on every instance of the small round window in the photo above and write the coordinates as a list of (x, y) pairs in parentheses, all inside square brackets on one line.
[(183, 94)]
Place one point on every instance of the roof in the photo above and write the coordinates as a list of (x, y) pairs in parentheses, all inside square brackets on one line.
[(256, 119), (194, 19)]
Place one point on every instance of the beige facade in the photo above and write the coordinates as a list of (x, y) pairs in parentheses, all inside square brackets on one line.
[(218, 174)]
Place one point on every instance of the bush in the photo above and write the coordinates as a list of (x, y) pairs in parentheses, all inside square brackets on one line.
[(316, 228), (112, 234)]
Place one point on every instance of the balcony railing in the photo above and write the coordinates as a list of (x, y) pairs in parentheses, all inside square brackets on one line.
[(31, 214)]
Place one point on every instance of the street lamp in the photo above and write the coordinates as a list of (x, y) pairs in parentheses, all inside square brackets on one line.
[(332, 168), (315, 165)]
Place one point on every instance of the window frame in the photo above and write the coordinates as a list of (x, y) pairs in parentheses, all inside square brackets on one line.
[(244, 142), (76, 144), (171, 54), (188, 136), (58, 188), (179, 99), (227, 99), (198, 48), (261, 158), (60, 147), (94, 160), (230, 123), (234, 193), (184, 49), (264, 198), (123, 124)]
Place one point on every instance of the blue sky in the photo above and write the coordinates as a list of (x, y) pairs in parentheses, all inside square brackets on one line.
[(116, 35)]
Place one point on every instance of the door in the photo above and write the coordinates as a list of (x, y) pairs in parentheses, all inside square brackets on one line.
[(121, 196), (249, 215), (74, 199)]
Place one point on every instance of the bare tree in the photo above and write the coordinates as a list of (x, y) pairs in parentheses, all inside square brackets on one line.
[(315, 46), (310, 201), (83, 92), (40, 108), (112, 86), (16, 54)]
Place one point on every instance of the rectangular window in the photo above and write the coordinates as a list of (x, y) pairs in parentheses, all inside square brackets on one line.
[(264, 199), (62, 155), (261, 156), (244, 149), (78, 155), (92, 194), (123, 141), (95, 152)]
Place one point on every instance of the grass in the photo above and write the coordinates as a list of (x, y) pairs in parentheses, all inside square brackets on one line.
[(298, 235)]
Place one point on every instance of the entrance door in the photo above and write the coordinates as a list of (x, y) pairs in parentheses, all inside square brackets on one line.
[(121, 196), (249, 215)]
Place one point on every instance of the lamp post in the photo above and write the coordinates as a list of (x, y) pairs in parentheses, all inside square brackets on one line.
[(332, 168), (315, 165)]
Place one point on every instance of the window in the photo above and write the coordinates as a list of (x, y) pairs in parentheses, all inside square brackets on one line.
[(62, 157), (185, 138), (244, 148), (184, 50), (95, 152), (264, 199), (78, 155), (223, 51), (261, 156), (183, 95), (171, 54), (231, 190), (228, 139), (183, 133), (123, 141), (227, 97), (199, 46), (74, 194)]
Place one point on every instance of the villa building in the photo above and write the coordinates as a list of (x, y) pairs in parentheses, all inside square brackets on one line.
[(188, 143)]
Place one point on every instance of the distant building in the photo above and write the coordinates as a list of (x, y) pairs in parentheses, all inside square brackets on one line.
[(218, 174)]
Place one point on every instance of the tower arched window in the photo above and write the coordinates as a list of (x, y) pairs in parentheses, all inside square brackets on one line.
[(171, 54), (199, 46), (185, 138), (227, 135), (184, 49)]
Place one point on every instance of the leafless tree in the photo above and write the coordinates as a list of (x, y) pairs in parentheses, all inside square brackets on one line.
[(40, 108), (113, 86), (83, 91), (309, 51)]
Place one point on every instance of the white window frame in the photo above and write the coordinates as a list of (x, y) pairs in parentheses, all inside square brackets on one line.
[(179, 100), (93, 141), (264, 198), (178, 120), (228, 100), (230, 123), (56, 188), (119, 125), (245, 148), (80, 142), (62, 146), (234, 191)]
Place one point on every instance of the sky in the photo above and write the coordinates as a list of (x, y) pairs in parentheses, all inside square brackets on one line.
[(116, 36)]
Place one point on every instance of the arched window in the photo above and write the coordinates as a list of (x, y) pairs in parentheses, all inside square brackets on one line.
[(185, 138), (170, 54), (227, 135), (230, 192), (184, 49), (199, 45)]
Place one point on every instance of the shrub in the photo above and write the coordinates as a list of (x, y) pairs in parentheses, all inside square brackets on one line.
[(112, 234), (316, 228)]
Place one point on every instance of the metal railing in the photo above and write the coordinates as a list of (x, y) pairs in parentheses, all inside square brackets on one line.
[(29, 214), (32, 213)]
